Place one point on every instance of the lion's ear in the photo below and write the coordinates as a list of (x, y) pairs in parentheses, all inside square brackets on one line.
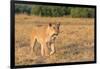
[(50, 24)]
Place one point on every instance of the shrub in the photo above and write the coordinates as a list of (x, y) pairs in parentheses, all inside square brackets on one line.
[(54, 11), (82, 12)]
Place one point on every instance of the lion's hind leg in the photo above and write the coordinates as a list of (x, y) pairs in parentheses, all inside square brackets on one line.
[(32, 45)]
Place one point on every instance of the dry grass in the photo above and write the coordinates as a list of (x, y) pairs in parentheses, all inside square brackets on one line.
[(74, 43)]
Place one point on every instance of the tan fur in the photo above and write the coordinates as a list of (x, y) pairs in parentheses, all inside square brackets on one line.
[(44, 36)]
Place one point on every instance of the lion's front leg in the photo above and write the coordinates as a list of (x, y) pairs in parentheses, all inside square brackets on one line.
[(52, 49), (44, 50)]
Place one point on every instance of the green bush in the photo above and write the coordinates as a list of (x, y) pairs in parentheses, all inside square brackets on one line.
[(22, 9), (54, 11), (82, 12), (49, 10)]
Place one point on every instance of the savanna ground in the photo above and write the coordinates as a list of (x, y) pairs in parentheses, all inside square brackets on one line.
[(75, 42)]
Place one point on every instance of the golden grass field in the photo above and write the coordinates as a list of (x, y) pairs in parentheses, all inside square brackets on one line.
[(75, 43)]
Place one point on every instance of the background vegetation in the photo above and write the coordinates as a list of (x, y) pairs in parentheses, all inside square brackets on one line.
[(54, 11)]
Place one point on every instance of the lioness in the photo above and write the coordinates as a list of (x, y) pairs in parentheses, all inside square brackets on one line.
[(45, 36)]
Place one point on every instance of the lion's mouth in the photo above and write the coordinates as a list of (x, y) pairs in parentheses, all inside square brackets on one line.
[(53, 37)]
